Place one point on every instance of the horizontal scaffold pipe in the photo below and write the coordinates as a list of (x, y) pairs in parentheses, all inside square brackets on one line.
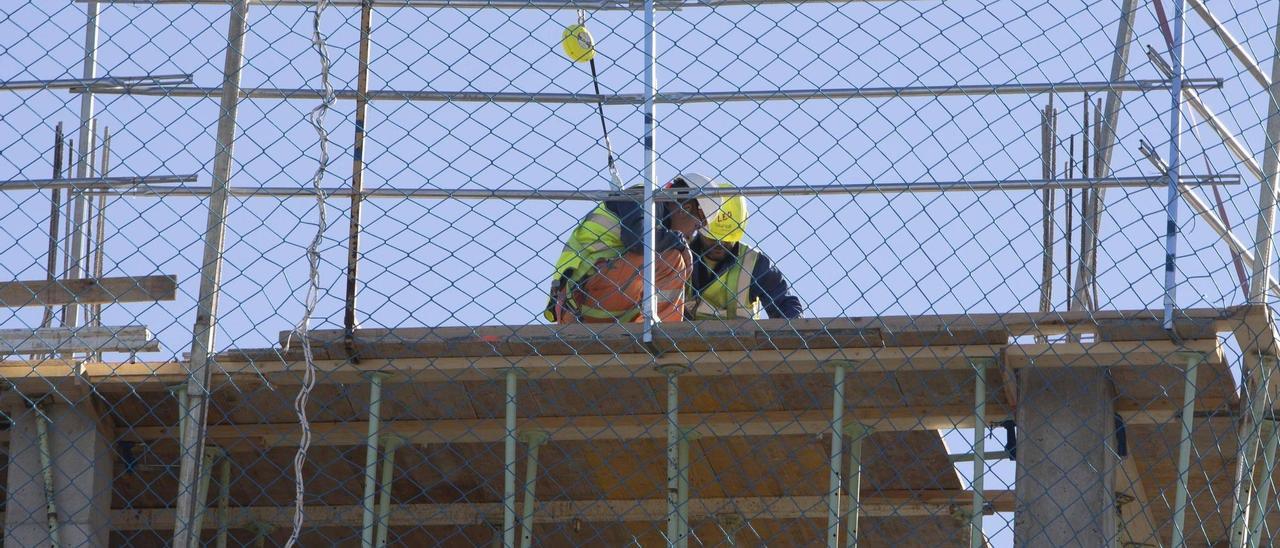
[(94, 183), (1008, 185), (115, 82), (675, 97), (512, 4)]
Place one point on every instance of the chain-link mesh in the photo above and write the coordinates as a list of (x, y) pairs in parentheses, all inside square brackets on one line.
[(332, 272)]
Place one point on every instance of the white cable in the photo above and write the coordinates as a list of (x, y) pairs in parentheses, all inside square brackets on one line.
[(316, 118)]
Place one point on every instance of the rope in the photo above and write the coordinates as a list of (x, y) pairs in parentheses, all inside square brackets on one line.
[(316, 117), (604, 126)]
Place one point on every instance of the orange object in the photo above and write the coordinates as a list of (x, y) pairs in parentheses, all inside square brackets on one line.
[(614, 293)]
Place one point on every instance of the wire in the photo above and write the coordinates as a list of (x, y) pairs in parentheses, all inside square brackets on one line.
[(604, 126), (316, 117)]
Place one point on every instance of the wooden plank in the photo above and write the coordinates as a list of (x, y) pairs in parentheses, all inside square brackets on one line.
[(1257, 334), (892, 504), (614, 427), (66, 340), (1137, 528), (286, 370), (852, 332), (125, 289)]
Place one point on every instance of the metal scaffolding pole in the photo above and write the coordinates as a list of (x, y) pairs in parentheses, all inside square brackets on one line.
[(210, 283), (533, 439), (677, 509), (1206, 212), (837, 452), (357, 174), (1267, 190), (1175, 168), (858, 433), (125, 82), (649, 307), (677, 97), (594, 5), (389, 446), (1231, 43), (84, 164), (1184, 449), (669, 195), (980, 365), (1095, 202), (96, 183), (509, 464), (371, 460)]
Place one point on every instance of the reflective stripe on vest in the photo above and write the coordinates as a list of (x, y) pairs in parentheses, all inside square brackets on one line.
[(729, 295)]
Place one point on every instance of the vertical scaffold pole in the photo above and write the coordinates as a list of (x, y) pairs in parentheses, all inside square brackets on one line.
[(224, 500), (650, 309), (1258, 295), (1175, 168), (509, 465), (1258, 513), (357, 173), (534, 439), (858, 433), (371, 459), (46, 471), (1258, 387), (84, 164), (676, 507), (837, 451), (1267, 190), (687, 437), (980, 365), (1184, 448), (203, 332), (389, 446), (202, 490)]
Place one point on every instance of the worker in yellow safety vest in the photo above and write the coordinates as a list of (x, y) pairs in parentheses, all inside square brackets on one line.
[(730, 279), (598, 275)]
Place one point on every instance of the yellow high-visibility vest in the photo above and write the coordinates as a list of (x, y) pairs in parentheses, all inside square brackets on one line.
[(727, 297), (598, 237)]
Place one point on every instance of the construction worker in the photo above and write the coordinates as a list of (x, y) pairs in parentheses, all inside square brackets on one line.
[(730, 280), (598, 275)]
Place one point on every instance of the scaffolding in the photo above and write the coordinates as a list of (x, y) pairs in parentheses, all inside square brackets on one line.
[(1143, 369)]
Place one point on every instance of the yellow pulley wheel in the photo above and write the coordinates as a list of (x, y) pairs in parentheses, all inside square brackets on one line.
[(578, 43)]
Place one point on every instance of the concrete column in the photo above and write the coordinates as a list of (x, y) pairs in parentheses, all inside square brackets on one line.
[(1066, 458), (80, 446)]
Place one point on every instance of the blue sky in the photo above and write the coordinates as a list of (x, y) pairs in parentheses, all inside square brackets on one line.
[(471, 263)]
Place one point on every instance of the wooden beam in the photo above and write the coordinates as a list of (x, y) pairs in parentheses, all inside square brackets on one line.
[(803, 334), (66, 340), (874, 504), (127, 289), (622, 366), (1137, 528), (615, 427)]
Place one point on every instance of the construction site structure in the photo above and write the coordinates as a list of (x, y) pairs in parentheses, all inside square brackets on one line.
[(1143, 427)]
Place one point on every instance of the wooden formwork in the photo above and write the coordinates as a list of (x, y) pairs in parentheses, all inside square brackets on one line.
[(757, 395)]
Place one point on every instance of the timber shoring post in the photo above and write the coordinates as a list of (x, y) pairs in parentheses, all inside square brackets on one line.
[(210, 281)]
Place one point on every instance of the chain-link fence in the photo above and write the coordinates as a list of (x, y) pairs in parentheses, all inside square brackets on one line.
[(479, 272)]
